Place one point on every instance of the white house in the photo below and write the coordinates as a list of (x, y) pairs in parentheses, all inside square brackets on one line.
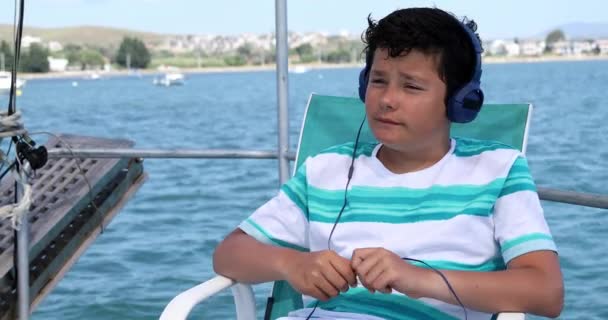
[(532, 47), (602, 44), (562, 48), (55, 46), (26, 41), (582, 47), (57, 64), (504, 48)]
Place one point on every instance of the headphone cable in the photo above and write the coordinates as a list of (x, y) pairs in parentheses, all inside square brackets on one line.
[(351, 169), (445, 279), (350, 175)]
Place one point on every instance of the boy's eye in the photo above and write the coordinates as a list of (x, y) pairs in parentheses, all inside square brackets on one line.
[(412, 87), (378, 80)]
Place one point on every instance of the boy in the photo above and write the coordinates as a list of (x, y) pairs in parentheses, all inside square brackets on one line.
[(466, 207)]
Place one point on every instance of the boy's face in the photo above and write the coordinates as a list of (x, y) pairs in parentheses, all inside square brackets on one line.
[(405, 100)]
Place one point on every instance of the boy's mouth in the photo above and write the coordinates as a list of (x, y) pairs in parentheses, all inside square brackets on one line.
[(388, 121)]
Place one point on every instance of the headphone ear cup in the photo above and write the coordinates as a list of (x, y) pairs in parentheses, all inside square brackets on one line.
[(473, 100), (363, 84), (465, 105)]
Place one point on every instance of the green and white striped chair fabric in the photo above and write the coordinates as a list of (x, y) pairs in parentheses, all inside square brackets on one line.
[(331, 120)]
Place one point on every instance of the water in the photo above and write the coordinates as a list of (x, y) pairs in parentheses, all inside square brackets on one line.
[(162, 241)]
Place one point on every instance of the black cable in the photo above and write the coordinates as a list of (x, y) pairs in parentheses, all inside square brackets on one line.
[(8, 152), (12, 105), (351, 169), (350, 175), (15, 233), (7, 169), (444, 280)]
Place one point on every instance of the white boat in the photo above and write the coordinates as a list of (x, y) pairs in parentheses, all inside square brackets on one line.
[(93, 76), (298, 69), (5, 82), (170, 79)]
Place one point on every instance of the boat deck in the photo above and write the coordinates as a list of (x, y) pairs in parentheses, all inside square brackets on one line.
[(68, 212)]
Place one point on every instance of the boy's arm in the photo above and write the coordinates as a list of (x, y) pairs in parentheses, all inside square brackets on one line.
[(245, 259), (532, 282), (321, 274)]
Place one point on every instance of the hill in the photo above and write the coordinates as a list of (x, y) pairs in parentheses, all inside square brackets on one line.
[(84, 35), (587, 30), (579, 30)]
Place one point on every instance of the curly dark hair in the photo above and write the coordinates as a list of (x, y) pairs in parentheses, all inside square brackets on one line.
[(431, 31)]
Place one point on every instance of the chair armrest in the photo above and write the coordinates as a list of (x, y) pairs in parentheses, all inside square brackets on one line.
[(511, 316), (180, 307)]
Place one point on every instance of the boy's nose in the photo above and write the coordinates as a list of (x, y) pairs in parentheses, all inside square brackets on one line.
[(389, 99)]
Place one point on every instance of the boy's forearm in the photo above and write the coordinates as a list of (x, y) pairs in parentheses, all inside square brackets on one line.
[(242, 258), (518, 290)]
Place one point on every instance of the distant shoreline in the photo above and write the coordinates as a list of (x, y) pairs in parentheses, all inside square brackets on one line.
[(494, 60), (271, 67)]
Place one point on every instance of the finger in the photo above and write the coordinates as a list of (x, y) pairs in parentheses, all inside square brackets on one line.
[(356, 259), (335, 278), (318, 294), (366, 285), (342, 266), (359, 255), (363, 276), (375, 271), (364, 267), (326, 287), (370, 268), (381, 283)]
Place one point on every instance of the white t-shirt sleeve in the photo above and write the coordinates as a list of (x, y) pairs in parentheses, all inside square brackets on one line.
[(283, 221), (519, 222)]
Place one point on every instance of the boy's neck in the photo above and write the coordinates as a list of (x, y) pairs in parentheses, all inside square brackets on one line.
[(416, 158)]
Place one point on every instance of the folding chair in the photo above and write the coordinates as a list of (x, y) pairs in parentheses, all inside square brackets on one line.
[(331, 121)]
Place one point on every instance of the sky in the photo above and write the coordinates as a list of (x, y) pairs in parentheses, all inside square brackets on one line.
[(496, 19)]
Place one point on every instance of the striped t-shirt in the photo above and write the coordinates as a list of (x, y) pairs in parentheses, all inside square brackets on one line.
[(475, 209)]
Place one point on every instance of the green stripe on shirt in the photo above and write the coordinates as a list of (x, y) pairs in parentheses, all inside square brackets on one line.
[(400, 217), (490, 265), (363, 149), (262, 235), (296, 189), (403, 195), (526, 243), (518, 179), (466, 147), (297, 198), (403, 205), (387, 306), (528, 237)]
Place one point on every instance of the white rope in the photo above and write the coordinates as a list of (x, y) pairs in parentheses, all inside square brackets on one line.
[(17, 211), (11, 125)]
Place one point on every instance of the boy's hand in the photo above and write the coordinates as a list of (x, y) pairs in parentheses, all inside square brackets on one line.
[(382, 270), (321, 274)]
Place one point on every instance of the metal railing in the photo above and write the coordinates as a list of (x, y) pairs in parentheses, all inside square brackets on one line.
[(548, 194), (593, 200)]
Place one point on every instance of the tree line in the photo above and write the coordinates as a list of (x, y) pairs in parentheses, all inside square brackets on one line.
[(34, 59), (133, 53)]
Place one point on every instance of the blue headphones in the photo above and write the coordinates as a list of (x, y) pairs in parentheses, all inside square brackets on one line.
[(464, 105)]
